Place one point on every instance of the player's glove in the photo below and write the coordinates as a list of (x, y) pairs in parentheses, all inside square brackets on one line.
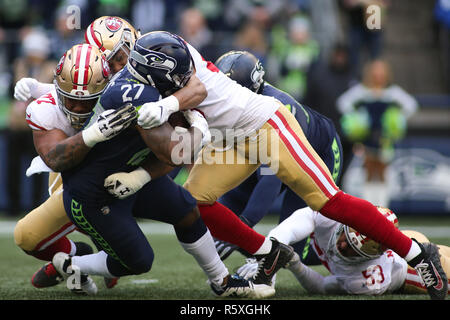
[(197, 120), (109, 124), (123, 184), (27, 88), (249, 269), (154, 114), (225, 249)]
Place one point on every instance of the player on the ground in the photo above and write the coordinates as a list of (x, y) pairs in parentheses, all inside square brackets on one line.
[(264, 121), (358, 265), (42, 232), (255, 196)]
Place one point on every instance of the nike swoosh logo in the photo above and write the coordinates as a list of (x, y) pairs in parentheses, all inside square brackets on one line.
[(270, 270), (440, 283)]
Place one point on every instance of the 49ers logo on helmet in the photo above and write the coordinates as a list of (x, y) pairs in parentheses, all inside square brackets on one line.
[(105, 67), (113, 24), (60, 64)]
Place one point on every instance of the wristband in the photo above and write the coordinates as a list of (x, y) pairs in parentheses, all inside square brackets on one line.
[(92, 135), (141, 176)]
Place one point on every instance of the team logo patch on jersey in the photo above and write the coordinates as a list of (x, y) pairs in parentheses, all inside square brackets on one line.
[(113, 24)]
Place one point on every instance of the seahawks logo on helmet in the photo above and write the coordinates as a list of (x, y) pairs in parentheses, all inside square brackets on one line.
[(257, 74), (161, 61)]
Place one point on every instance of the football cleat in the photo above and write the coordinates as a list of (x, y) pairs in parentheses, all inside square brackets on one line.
[(238, 287), (110, 282), (429, 268), (249, 269), (75, 281), (46, 276), (270, 263)]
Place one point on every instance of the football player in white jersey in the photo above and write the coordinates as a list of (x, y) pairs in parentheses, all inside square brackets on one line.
[(265, 122), (357, 264)]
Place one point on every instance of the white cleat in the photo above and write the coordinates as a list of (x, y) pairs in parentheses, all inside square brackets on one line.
[(75, 281)]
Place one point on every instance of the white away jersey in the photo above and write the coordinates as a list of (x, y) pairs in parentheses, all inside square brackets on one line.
[(228, 104), (44, 114), (377, 276)]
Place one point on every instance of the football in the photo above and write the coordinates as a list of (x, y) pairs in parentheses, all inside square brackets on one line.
[(177, 119)]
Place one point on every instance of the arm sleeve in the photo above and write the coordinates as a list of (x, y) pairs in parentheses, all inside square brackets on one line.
[(41, 89), (299, 225), (314, 282), (263, 195), (39, 117)]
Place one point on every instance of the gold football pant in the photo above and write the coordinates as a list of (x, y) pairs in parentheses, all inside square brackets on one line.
[(413, 283), (282, 145), (45, 224)]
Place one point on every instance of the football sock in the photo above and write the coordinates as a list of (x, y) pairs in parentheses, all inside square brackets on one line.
[(61, 245), (226, 226), (93, 264), (204, 252), (365, 217)]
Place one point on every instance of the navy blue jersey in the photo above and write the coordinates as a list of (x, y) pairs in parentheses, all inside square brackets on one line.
[(123, 153)]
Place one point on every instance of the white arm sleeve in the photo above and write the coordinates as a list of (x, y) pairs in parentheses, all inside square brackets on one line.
[(314, 282), (296, 227), (41, 88)]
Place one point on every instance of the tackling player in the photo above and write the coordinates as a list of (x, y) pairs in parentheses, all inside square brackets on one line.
[(111, 222), (258, 192), (229, 105), (358, 265), (42, 232)]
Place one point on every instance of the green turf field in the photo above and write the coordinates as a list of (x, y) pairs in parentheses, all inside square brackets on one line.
[(175, 274)]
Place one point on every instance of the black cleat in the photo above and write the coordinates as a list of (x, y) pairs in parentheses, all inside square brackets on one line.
[(429, 268), (269, 264)]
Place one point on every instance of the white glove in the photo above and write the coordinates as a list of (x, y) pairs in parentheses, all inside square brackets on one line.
[(23, 88), (249, 269), (124, 184), (196, 119), (154, 114), (27, 88), (109, 124)]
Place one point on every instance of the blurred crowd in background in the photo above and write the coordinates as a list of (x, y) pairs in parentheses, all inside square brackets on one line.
[(322, 52)]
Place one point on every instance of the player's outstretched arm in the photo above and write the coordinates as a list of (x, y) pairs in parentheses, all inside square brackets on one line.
[(154, 114)]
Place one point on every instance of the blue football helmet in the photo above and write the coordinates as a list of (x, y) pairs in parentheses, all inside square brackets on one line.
[(243, 67), (161, 59)]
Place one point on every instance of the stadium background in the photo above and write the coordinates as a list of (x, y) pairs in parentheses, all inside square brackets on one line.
[(414, 39)]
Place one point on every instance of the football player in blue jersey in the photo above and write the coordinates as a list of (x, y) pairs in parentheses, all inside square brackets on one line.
[(253, 199), (111, 221)]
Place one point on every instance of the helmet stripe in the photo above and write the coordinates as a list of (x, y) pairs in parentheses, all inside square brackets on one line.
[(77, 65), (94, 41), (86, 69)]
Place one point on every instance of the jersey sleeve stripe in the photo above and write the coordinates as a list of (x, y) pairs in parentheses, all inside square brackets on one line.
[(34, 125)]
